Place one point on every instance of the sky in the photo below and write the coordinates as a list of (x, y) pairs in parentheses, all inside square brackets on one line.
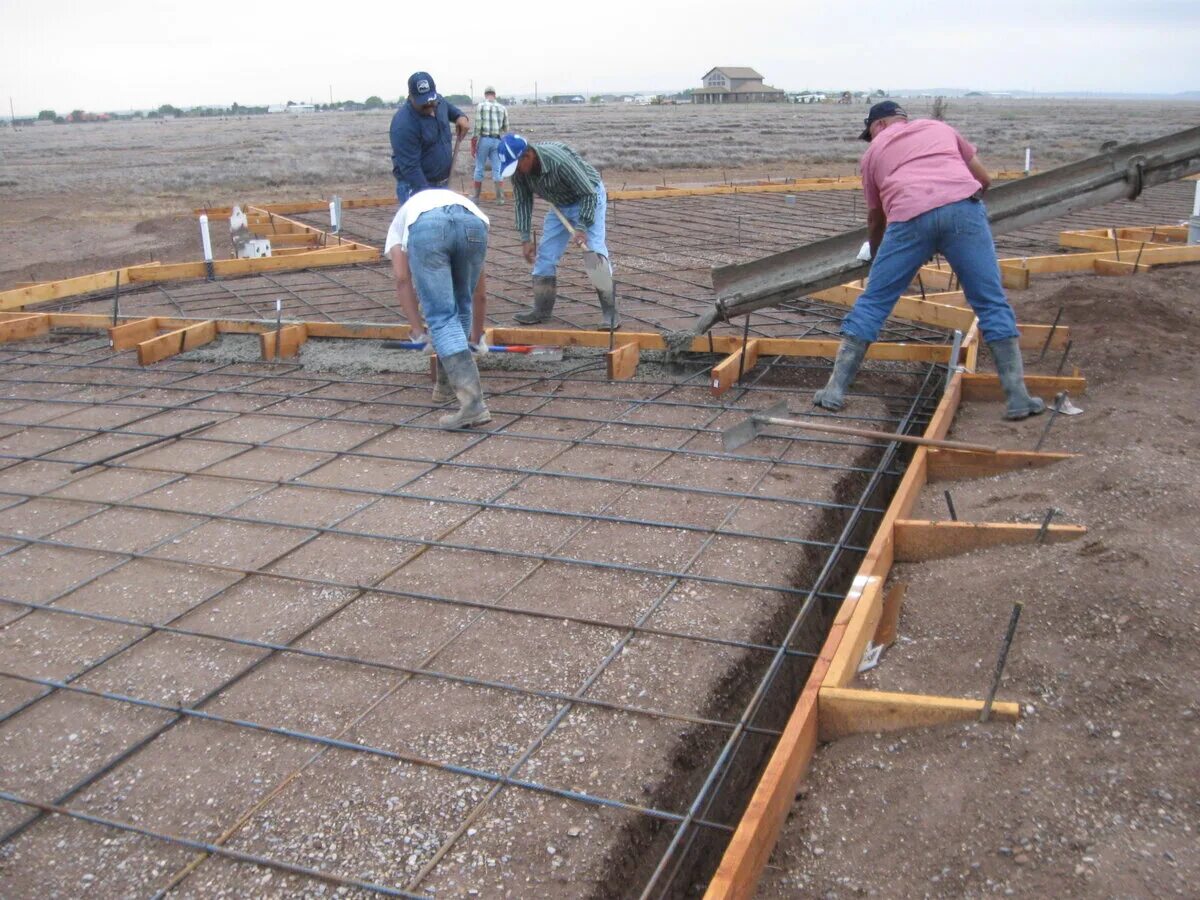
[(124, 54)]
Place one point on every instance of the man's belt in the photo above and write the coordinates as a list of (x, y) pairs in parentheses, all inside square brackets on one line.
[(490, 135)]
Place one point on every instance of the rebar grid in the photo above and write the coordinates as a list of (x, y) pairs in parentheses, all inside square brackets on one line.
[(44, 372)]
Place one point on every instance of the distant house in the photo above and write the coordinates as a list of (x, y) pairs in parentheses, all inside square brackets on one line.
[(736, 84)]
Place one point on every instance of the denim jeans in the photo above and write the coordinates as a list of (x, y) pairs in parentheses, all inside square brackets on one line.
[(404, 189), (555, 237), (488, 151), (960, 232), (446, 249)]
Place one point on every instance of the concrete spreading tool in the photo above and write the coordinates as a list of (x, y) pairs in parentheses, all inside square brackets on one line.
[(544, 352), (746, 431), (598, 269)]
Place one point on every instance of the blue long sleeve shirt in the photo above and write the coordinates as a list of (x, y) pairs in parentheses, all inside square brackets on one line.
[(422, 145)]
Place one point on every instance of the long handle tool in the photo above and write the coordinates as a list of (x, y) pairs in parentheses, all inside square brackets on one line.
[(746, 431), (598, 271)]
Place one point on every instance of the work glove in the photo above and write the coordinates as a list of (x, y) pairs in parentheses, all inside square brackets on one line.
[(474, 147), (481, 348), (864, 253), (418, 337)]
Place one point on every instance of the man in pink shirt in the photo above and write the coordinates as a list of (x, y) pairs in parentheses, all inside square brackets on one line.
[(924, 186)]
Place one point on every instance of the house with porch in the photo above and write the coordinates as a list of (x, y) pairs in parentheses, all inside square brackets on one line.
[(736, 84)]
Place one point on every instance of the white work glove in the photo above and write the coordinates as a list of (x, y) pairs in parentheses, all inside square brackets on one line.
[(415, 337), (864, 253), (481, 348)]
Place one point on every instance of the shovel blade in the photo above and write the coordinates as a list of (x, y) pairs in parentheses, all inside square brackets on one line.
[(752, 427), (599, 272)]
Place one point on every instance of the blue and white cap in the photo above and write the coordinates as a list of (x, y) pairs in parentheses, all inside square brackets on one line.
[(511, 148)]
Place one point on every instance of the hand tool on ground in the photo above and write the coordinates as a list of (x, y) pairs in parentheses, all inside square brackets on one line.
[(454, 156), (746, 431), (544, 352), (598, 271)]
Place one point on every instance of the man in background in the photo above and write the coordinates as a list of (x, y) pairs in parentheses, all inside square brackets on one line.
[(491, 124), (924, 187), (560, 176), (422, 152)]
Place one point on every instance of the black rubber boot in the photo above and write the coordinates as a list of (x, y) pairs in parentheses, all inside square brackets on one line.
[(545, 292), (609, 319), (1011, 370), (845, 366), (442, 392), (464, 378)]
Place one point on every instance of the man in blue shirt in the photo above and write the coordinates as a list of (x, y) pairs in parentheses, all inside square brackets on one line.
[(420, 133)]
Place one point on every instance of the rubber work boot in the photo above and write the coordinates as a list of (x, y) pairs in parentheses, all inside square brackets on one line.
[(545, 292), (442, 392), (464, 379), (478, 188), (500, 193), (1011, 370), (609, 320), (845, 366)]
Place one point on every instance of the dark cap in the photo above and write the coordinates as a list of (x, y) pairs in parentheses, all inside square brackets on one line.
[(421, 88), (881, 110)]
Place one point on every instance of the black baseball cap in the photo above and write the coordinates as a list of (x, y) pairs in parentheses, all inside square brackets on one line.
[(881, 110), (421, 88)]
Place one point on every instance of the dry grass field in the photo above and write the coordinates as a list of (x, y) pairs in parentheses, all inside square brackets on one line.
[(75, 199)]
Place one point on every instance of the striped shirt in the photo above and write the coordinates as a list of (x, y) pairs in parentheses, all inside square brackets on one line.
[(565, 179), (491, 119)]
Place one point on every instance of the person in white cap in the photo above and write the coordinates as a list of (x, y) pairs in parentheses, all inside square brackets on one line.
[(491, 124)]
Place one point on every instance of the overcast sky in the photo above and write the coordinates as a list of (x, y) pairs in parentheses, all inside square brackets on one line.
[(122, 54)]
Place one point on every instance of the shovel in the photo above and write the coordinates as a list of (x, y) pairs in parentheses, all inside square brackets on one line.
[(744, 432), (598, 271)]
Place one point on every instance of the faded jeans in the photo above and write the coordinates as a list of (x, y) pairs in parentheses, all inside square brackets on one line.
[(555, 237), (960, 232), (446, 249), (488, 151)]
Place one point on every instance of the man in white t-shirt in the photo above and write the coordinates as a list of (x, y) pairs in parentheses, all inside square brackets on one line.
[(437, 243)]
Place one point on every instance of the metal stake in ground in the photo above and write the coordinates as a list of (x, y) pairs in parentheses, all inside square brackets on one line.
[(1008, 639), (1050, 335), (117, 298), (950, 507)]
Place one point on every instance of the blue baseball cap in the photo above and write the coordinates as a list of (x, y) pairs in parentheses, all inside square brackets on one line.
[(882, 110), (511, 148), (421, 88)]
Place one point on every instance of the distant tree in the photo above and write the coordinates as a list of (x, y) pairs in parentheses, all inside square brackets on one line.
[(374, 102), (459, 99), (75, 115), (234, 108), (939, 108), (47, 115), (168, 110)]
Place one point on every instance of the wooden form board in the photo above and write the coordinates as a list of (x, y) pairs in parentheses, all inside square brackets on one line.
[(621, 363), (20, 328), (952, 465), (174, 342), (918, 540), (284, 343), (847, 711), (987, 387)]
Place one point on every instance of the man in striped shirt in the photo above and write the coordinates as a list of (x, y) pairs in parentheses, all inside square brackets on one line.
[(560, 176), (491, 123)]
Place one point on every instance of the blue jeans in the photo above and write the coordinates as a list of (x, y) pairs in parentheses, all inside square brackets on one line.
[(446, 249), (555, 237), (404, 189), (488, 151), (960, 232)]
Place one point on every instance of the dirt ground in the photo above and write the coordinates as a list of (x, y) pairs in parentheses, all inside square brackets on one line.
[(1096, 793), (83, 198)]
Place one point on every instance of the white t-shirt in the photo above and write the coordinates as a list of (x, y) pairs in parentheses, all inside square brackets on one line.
[(423, 202)]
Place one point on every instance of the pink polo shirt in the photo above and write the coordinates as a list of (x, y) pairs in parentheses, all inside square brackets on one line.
[(913, 167)]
